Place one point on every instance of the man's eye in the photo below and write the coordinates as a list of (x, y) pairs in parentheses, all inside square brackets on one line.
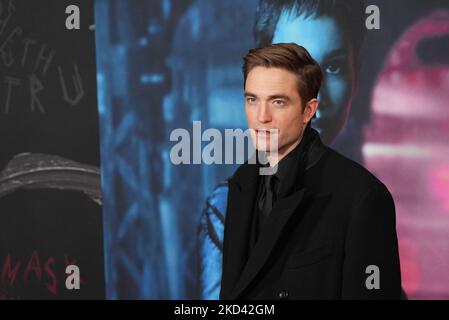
[(251, 100), (278, 103)]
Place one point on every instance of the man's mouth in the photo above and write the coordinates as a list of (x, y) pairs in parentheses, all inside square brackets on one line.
[(263, 132)]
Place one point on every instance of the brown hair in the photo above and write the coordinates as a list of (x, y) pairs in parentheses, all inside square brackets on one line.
[(290, 57)]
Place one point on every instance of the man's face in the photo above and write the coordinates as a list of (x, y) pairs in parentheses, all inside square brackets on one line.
[(273, 102), (325, 40)]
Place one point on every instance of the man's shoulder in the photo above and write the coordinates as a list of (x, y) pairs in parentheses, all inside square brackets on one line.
[(351, 174)]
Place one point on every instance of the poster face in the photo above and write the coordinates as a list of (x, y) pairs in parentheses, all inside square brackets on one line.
[(50, 198)]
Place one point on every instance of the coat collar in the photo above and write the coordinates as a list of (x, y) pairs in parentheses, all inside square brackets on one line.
[(239, 269), (247, 174)]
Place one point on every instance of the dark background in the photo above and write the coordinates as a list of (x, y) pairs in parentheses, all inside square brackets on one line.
[(42, 230)]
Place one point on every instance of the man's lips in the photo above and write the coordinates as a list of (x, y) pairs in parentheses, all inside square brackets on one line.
[(263, 132)]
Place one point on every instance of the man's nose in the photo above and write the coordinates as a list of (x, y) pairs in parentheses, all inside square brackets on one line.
[(264, 114)]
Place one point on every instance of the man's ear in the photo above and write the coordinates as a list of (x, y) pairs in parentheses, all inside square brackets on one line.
[(310, 109)]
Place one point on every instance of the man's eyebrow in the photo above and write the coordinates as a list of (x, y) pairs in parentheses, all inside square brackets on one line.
[(271, 97), (278, 96)]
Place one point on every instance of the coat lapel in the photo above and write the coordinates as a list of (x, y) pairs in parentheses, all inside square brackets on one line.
[(277, 221), (239, 269), (242, 192)]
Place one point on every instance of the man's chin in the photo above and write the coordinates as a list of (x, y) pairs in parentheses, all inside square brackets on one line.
[(265, 145), (267, 150)]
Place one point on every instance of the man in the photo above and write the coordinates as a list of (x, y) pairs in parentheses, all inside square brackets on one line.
[(322, 226), (326, 29)]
